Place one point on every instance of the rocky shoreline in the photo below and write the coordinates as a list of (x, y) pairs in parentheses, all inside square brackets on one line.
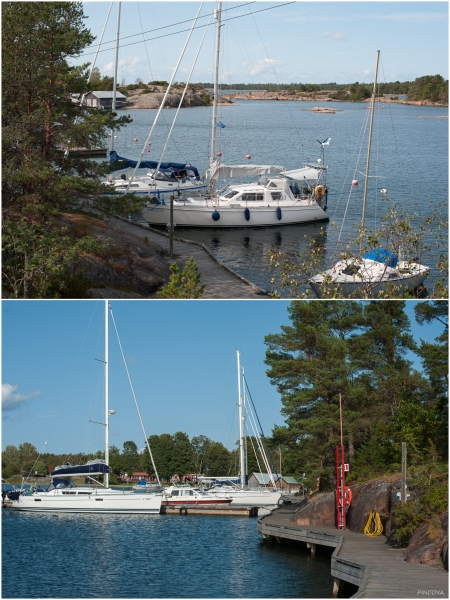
[(145, 98), (428, 545)]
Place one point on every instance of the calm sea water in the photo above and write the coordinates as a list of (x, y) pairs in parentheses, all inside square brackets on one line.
[(157, 556), (409, 159)]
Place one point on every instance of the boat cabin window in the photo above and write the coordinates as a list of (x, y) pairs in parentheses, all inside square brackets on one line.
[(175, 493), (229, 193), (60, 483), (252, 197), (276, 195)]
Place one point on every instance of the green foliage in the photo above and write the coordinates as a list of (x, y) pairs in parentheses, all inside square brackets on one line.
[(95, 75), (184, 285), (40, 121), (162, 83), (104, 84), (430, 500), (206, 99), (39, 259), (399, 231), (359, 351), (431, 87)]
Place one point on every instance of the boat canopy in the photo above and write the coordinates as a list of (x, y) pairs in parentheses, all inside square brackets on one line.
[(304, 173), (219, 171), (386, 257), (92, 467), (165, 167)]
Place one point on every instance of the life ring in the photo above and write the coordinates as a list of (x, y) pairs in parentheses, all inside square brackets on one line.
[(347, 496), (320, 190)]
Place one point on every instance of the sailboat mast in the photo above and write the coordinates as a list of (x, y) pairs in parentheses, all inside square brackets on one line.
[(106, 395), (366, 182), (241, 425), (218, 13), (116, 60)]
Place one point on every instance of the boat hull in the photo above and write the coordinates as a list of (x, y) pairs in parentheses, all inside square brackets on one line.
[(233, 217), (90, 503), (212, 502), (349, 289), (249, 498)]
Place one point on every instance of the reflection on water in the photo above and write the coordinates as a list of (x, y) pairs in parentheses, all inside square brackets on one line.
[(409, 159), (152, 556)]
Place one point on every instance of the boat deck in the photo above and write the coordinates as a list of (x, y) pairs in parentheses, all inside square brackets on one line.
[(378, 570)]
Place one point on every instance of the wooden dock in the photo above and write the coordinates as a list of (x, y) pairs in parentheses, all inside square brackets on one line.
[(222, 283), (378, 570), (218, 511)]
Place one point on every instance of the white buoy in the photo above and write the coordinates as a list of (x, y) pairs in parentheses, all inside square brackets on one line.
[(383, 191)]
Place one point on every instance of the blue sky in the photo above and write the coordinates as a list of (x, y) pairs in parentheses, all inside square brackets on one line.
[(181, 359), (308, 42)]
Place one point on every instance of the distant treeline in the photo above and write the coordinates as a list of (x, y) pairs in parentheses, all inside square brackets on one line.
[(431, 88)]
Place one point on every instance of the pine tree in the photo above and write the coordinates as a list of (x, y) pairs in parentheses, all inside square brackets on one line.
[(41, 117), (309, 364)]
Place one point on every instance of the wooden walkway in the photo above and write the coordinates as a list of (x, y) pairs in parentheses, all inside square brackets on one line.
[(378, 570), (222, 283)]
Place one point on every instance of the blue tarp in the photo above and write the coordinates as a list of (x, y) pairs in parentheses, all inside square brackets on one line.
[(92, 468), (382, 256), (172, 167)]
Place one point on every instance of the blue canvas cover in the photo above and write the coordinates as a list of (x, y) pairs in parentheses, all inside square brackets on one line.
[(386, 257), (90, 468), (171, 167)]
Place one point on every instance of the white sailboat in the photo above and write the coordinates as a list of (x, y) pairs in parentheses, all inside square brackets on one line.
[(240, 493), (160, 177), (279, 197), (376, 272), (63, 496)]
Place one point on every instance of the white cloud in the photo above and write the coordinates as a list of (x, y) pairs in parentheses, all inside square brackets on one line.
[(130, 68), (266, 66), (339, 36), (11, 400)]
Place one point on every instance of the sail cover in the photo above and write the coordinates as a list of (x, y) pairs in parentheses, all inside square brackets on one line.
[(92, 467), (304, 173), (219, 171), (386, 257), (126, 163)]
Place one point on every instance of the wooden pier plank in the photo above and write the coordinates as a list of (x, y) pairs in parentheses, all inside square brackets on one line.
[(221, 282), (377, 569)]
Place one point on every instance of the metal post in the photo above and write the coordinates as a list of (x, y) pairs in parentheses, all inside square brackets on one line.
[(403, 491), (116, 60), (241, 424), (216, 92), (366, 182), (171, 228), (106, 396)]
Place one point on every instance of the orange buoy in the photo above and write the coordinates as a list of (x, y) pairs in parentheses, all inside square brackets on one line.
[(147, 150), (149, 144), (354, 182), (135, 139), (219, 154), (248, 157)]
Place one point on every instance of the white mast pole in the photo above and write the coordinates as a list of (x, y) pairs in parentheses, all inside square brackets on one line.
[(116, 60), (366, 182), (241, 424), (216, 80), (106, 395), (164, 99)]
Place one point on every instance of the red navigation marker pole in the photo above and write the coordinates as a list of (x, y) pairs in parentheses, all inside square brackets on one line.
[(343, 493)]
